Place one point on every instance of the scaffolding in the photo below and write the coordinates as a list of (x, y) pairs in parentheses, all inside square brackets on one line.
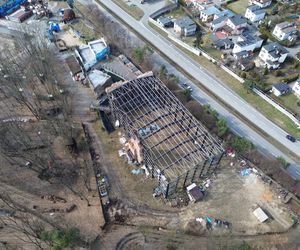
[(177, 148)]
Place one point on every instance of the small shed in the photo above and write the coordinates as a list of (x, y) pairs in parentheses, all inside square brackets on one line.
[(260, 215), (280, 89), (194, 193), (69, 15), (99, 80), (75, 69)]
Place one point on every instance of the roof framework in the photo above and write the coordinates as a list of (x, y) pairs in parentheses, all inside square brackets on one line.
[(173, 139)]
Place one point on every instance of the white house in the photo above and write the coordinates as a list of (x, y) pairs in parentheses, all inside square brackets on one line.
[(272, 55), (254, 13), (185, 26), (280, 89), (296, 88), (260, 3), (237, 23), (208, 14), (247, 42), (285, 31), (91, 53), (220, 19)]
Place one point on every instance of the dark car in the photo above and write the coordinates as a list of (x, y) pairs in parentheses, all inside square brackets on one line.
[(291, 138)]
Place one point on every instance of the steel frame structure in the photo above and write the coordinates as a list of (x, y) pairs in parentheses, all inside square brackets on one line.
[(177, 148)]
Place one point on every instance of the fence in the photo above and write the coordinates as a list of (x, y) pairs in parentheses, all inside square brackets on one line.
[(277, 106)]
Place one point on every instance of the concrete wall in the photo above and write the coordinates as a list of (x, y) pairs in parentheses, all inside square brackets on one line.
[(278, 106)]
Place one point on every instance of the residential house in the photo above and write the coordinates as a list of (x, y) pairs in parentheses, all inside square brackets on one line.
[(296, 88), (92, 53), (272, 55), (247, 42), (208, 14), (280, 89), (223, 44), (254, 13), (165, 22), (260, 3), (220, 19), (185, 26), (237, 24), (231, 24), (285, 31)]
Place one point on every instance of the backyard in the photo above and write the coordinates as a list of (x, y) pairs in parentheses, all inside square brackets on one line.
[(239, 6)]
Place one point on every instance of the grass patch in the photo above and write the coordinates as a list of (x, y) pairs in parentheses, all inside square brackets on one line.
[(289, 101), (88, 33), (158, 30), (132, 10), (239, 6), (177, 13)]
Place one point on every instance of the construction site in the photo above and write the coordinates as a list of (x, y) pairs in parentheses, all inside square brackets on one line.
[(161, 133)]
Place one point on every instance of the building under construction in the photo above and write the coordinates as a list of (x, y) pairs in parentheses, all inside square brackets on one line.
[(162, 134)]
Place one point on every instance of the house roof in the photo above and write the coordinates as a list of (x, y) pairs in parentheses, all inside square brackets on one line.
[(211, 11), (253, 8), (222, 42), (238, 20), (165, 20), (227, 13), (185, 22), (275, 48), (263, 1), (219, 20), (98, 78), (283, 24), (248, 38), (281, 87), (241, 54)]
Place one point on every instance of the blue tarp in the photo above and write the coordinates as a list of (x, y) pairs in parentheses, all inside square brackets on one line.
[(54, 27), (102, 54), (246, 172)]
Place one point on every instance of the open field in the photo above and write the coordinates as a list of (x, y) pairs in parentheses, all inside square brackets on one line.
[(238, 6)]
